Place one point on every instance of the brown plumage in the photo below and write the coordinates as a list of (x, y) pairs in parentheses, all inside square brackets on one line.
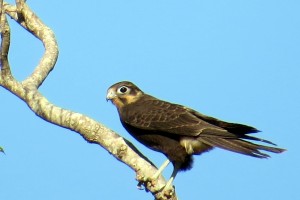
[(180, 132)]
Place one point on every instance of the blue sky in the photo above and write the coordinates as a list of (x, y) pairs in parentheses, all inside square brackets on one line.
[(235, 60)]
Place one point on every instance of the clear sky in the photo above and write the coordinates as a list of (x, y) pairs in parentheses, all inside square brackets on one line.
[(235, 60)]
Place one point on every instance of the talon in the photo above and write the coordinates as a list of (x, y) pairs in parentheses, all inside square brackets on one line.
[(140, 186)]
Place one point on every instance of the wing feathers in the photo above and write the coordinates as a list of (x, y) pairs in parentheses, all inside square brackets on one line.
[(230, 127)]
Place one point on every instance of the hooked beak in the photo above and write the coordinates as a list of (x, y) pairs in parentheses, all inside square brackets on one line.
[(110, 95)]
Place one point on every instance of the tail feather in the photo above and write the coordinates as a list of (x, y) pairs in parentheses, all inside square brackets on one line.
[(240, 146), (235, 146), (257, 139)]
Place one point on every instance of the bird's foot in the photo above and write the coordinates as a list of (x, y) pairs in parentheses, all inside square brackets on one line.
[(150, 182), (145, 182), (166, 192), (168, 189)]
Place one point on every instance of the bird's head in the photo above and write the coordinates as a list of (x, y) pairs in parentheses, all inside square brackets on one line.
[(123, 93)]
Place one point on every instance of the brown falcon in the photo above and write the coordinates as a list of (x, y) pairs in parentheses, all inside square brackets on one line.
[(180, 132)]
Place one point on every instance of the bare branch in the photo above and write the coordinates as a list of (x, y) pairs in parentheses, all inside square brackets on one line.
[(33, 24), (91, 130), (5, 43)]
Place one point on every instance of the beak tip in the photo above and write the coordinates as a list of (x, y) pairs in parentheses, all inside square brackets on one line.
[(110, 95)]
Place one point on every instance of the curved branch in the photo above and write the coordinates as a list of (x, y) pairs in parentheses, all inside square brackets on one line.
[(5, 43), (25, 17), (91, 130)]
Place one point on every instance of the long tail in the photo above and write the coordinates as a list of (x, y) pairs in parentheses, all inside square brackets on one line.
[(232, 142)]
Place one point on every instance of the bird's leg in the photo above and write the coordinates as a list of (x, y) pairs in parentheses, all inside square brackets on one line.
[(155, 176), (161, 169), (170, 181)]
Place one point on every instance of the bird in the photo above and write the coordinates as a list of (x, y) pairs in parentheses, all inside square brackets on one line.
[(180, 132)]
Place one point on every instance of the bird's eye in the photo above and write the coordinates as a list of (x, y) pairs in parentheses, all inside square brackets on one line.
[(123, 90)]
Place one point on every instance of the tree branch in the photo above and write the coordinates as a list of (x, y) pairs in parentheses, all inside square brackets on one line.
[(27, 90)]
